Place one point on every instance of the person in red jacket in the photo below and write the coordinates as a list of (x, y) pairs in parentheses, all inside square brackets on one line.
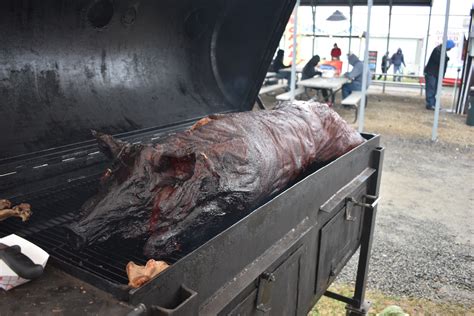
[(335, 52)]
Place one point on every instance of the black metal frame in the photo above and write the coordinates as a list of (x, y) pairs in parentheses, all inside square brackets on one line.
[(357, 305)]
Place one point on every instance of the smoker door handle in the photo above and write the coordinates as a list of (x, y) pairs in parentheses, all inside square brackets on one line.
[(139, 310), (370, 206), (346, 193), (185, 303)]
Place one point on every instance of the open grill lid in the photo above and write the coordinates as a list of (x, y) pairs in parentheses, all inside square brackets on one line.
[(67, 67)]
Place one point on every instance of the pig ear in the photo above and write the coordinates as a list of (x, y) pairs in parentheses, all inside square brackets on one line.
[(108, 145), (177, 168)]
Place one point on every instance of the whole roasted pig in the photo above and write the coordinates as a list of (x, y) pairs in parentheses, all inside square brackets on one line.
[(188, 183)]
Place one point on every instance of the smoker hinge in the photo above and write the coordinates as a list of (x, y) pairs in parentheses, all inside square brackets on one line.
[(351, 202), (264, 294)]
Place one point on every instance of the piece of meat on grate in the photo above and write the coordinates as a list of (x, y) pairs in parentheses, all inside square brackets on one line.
[(22, 210), (139, 275)]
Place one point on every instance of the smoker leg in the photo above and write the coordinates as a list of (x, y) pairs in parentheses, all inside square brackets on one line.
[(357, 305), (361, 307), (363, 310)]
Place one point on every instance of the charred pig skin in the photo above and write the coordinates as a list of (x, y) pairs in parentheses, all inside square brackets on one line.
[(190, 182)]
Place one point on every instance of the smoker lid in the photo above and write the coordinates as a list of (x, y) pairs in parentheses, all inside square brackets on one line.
[(67, 67)]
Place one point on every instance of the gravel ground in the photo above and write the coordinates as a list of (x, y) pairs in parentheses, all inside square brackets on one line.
[(424, 238), (418, 258)]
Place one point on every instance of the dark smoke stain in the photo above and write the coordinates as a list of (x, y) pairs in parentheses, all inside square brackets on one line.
[(136, 63), (103, 65), (132, 123), (24, 14), (49, 86), (182, 87), (89, 73), (23, 101)]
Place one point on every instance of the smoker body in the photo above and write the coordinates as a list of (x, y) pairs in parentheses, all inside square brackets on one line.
[(282, 257), (140, 69)]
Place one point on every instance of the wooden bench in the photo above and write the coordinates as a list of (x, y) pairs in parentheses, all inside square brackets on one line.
[(287, 95), (268, 89), (353, 100), (397, 83), (420, 84)]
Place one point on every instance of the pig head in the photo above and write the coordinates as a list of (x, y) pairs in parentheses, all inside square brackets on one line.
[(147, 191)]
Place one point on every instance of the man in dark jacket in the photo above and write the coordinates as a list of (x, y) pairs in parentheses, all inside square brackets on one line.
[(355, 75), (385, 65), (432, 72), (397, 60)]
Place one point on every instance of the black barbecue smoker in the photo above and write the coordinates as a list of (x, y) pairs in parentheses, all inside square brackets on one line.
[(140, 69)]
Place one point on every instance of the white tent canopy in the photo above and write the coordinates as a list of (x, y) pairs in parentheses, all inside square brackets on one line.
[(369, 4)]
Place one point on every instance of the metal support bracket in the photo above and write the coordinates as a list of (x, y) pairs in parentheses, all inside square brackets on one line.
[(350, 203), (264, 294)]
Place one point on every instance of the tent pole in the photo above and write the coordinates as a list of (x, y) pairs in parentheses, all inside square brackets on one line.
[(434, 133), (313, 9), (293, 62), (350, 30), (455, 90), (388, 39), (365, 72), (427, 37), (464, 88), (350, 26)]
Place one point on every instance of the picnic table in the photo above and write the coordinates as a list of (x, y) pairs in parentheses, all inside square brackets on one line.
[(270, 74), (331, 84), (299, 69)]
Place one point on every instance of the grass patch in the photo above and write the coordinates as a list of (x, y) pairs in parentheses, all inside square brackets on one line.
[(380, 301)]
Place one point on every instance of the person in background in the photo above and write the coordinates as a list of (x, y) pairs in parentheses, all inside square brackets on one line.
[(277, 65), (432, 71), (355, 75), (335, 52), (385, 65), (309, 71), (397, 60)]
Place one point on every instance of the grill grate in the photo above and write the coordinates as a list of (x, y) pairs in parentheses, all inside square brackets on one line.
[(102, 265)]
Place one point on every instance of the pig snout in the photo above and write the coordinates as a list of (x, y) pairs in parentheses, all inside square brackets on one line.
[(79, 236), (75, 238)]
